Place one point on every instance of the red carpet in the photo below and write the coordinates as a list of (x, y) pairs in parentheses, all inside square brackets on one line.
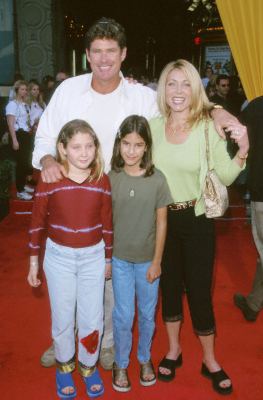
[(25, 326)]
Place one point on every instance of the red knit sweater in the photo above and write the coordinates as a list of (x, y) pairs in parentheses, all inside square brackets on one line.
[(73, 214)]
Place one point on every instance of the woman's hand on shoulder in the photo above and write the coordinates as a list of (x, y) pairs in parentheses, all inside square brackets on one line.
[(154, 272), (238, 133)]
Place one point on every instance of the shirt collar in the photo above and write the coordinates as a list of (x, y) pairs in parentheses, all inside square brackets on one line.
[(123, 81)]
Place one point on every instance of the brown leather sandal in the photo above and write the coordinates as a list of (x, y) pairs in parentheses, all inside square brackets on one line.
[(120, 375), (147, 369)]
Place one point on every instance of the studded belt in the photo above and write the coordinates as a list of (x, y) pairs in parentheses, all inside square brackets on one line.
[(182, 205)]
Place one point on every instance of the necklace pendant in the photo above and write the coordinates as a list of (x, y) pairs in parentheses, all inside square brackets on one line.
[(132, 193)]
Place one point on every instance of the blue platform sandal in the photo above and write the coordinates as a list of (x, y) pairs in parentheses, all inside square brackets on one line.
[(91, 380), (64, 380)]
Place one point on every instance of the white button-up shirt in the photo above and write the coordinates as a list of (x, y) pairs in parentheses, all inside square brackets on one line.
[(74, 99), (20, 111)]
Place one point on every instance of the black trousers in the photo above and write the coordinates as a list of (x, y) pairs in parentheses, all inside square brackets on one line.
[(187, 266), (23, 158)]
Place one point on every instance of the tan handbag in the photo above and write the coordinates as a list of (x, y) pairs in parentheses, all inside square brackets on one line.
[(214, 192)]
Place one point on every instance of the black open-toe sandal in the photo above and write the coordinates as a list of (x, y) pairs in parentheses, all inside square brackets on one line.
[(216, 378), (171, 365)]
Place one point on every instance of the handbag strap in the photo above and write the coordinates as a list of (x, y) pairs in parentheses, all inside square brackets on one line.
[(207, 144)]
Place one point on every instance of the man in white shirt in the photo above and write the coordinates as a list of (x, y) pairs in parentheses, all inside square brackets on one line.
[(103, 98)]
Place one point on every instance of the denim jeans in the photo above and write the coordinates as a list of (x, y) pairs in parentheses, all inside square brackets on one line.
[(129, 280), (75, 279)]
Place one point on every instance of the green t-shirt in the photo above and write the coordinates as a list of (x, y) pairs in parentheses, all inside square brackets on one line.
[(135, 200)]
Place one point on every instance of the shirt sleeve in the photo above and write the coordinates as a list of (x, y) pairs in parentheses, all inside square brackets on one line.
[(39, 216), (11, 108), (163, 193), (106, 217), (226, 168)]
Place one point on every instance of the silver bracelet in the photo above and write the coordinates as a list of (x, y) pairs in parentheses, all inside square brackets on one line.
[(34, 264)]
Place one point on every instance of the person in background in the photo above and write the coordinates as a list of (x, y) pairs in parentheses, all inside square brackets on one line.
[(47, 86), (18, 120), (210, 90), (223, 98), (76, 212), (252, 304), (209, 74), (18, 77), (36, 104), (188, 259), (61, 76)]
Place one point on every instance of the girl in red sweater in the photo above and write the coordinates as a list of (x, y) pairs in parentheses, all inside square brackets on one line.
[(76, 214)]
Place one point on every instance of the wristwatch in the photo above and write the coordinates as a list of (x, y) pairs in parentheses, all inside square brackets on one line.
[(217, 106)]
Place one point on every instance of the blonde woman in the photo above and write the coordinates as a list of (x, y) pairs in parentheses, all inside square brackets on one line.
[(18, 119), (179, 152), (36, 104)]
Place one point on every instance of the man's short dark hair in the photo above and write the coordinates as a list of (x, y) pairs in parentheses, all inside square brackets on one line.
[(221, 77), (106, 28)]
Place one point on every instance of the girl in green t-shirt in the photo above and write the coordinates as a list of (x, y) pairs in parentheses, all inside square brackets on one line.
[(140, 195)]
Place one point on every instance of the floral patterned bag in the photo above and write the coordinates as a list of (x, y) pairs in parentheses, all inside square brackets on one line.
[(214, 192)]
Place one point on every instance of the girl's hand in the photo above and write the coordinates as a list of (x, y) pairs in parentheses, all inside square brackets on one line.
[(32, 276), (154, 271), (108, 271)]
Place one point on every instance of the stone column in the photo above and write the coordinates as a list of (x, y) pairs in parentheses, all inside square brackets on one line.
[(38, 24)]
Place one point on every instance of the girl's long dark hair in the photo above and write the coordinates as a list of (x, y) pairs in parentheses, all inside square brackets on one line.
[(139, 125)]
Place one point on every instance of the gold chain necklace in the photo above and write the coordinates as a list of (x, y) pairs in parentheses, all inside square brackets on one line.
[(178, 129)]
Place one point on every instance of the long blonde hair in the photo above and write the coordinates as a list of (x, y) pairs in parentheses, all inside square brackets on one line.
[(200, 105), (67, 132), (39, 100)]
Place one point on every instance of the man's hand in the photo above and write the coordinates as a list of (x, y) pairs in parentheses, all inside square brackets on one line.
[(224, 120), (52, 171)]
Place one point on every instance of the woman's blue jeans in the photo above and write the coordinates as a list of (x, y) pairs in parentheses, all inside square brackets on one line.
[(129, 280)]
